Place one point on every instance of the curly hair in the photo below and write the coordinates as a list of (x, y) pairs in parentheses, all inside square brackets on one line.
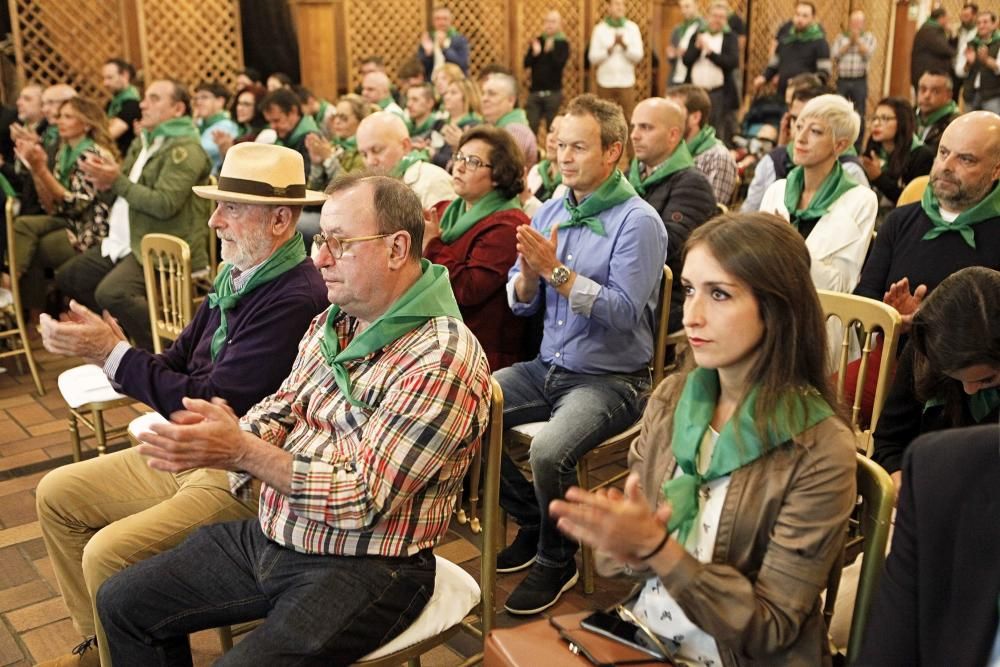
[(505, 155)]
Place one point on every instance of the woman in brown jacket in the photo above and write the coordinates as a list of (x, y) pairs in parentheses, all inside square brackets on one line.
[(744, 474)]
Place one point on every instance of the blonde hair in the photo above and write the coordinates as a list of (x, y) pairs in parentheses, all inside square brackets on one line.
[(838, 113)]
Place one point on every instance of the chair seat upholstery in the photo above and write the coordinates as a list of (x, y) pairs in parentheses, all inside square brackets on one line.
[(531, 429), (142, 423), (456, 594), (86, 384)]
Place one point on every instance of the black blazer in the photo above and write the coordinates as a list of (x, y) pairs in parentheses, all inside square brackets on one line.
[(728, 60), (937, 600)]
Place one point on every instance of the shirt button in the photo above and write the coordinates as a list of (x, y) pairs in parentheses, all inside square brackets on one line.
[(558, 354), (569, 256), (560, 322)]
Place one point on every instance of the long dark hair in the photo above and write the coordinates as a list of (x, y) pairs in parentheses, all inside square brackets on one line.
[(958, 326), (766, 253), (905, 127)]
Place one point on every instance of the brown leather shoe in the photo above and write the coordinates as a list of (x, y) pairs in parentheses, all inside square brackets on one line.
[(84, 655)]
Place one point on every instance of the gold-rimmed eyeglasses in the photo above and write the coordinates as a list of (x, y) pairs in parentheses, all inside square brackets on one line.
[(337, 246)]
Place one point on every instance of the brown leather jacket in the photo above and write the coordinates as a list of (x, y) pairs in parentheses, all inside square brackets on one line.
[(781, 529)]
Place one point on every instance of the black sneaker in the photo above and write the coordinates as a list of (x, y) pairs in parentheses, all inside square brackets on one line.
[(521, 552), (541, 588)]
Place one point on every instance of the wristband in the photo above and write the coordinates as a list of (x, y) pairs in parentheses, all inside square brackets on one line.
[(658, 547)]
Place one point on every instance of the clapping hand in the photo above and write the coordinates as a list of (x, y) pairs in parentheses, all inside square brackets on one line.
[(905, 302)]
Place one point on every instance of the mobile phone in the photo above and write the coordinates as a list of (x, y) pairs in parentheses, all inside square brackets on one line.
[(613, 627)]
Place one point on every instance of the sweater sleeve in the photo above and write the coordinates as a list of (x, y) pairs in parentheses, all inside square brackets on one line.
[(899, 423), (875, 274)]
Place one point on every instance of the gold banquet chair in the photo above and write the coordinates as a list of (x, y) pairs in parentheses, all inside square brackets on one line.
[(864, 318), (913, 191), (614, 449), (19, 333), (166, 266)]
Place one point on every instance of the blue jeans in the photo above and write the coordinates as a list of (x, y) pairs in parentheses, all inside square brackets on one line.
[(580, 412), (322, 610)]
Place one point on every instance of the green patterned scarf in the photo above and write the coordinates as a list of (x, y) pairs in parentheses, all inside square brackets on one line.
[(739, 442), (66, 158), (613, 191), (459, 217), (810, 34), (129, 93), (935, 116), (182, 126), (986, 209), (289, 255), (549, 182), (306, 126), (836, 183), (680, 159), (703, 141), (408, 161), (429, 297), (513, 117)]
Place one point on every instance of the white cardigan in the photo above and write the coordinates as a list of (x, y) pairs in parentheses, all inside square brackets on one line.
[(839, 241)]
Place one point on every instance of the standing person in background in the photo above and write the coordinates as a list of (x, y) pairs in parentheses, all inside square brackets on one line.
[(615, 49), (443, 44), (801, 47), (546, 57), (965, 32), (931, 49), (680, 40), (712, 60), (123, 109), (982, 88), (851, 52)]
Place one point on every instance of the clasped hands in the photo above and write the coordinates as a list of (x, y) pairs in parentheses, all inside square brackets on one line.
[(205, 434), (100, 171), (537, 253)]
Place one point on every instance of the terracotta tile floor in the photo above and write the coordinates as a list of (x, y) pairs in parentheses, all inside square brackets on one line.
[(34, 623)]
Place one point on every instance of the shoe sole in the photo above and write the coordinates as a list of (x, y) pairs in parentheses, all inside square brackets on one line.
[(528, 612), (505, 570)]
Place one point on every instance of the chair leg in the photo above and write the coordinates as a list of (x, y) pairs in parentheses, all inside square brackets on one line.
[(225, 638), (99, 434), (583, 475), (23, 333), (74, 435), (413, 662), (475, 471)]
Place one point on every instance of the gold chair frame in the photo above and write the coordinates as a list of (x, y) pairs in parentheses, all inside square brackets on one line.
[(166, 266), (20, 330), (913, 191)]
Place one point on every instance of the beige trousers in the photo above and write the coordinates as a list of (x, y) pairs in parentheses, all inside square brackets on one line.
[(101, 515)]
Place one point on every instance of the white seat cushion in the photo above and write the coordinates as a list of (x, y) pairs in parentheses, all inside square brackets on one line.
[(456, 593), (142, 423), (86, 384), (531, 429)]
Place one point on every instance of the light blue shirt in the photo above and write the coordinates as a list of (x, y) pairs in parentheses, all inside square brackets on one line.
[(208, 143), (606, 326)]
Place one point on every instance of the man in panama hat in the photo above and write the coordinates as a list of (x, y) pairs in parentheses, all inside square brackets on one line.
[(102, 515)]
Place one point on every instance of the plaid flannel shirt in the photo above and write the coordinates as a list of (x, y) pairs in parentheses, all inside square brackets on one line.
[(719, 168), (376, 482), (850, 63)]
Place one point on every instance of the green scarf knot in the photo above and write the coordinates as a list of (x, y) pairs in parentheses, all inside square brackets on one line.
[(429, 297), (51, 136), (680, 159), (409, 160), (615, 23), (513, 117), (458, 219), (836, 183), (986, 209), (687, 23), (471, 118), (182, 126), (129, 93), (306, 126), (703, 141), (613, 191), (66, 159), (346, 144), (558, 37), (978, 41), (983, 403), (205, 123), (425, 126), (284, 259), (739, 443), (810, 34), (549, 182), (935, 116)]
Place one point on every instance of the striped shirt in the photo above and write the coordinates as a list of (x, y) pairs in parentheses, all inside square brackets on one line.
[(376, 482)]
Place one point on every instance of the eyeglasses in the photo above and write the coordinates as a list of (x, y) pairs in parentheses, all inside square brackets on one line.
[(338, 246), (882, 120), (472, 163)]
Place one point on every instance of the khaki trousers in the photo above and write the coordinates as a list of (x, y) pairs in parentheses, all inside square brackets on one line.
[(102, 515)]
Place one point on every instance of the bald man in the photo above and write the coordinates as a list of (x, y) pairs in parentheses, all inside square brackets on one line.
[(384, 144), (377, 89), (663, 173), (546, 58), (499, 106), (921, 244)]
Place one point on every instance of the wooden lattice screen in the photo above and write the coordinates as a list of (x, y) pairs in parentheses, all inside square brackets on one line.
[(389, 28), (639, 11), (529, 25), (60, 41), (486, 24), (191, 40)]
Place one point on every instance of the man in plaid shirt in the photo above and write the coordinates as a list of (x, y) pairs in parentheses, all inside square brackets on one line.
[(360, 452)]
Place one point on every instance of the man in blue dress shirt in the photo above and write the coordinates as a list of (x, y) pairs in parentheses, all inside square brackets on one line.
[(593, 261)]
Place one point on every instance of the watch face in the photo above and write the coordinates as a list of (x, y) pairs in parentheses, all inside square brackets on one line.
[(560, 274)]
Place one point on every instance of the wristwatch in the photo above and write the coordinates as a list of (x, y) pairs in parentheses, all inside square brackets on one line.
[(559, 276)]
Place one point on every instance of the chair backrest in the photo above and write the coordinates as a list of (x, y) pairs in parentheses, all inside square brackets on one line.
[(878, 496), (493, 442), (660, 345), (863, 317), (913, 191), (166, 263)]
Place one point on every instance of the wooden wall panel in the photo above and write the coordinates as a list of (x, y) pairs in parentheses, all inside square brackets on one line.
[(487, 24), (389, 28)]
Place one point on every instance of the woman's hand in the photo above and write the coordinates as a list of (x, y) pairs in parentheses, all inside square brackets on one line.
[(319, 148), (32, 153), (451, 133), (872, 165), (622, 525)]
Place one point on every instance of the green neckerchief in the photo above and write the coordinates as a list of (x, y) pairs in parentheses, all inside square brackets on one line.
[(67, 157), (981, 404), (451, 32), (613, 191), (549, 183), (458, 219), (935, 116), (986, 209), (7, 188), (811, 33), (468, 119), (883, 156), (687, 23), (836, 183), (384, 102), (558, 37), (429, 297), (725, 29), (679, 160), (318, 117), (289, 255), (977, 41), (121, 97), (306, 126), (347, 145), (182, 126), (409, 160), (205, 123), (703, 141), (739, 442), (933, 22), (51, 135), (615, 23), (426, 126), (511, 117)]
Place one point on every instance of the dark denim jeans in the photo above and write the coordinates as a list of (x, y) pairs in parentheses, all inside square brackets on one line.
[(321, 610), (580, 412)]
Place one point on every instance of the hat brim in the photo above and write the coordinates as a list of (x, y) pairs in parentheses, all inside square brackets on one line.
[(213, 192)]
